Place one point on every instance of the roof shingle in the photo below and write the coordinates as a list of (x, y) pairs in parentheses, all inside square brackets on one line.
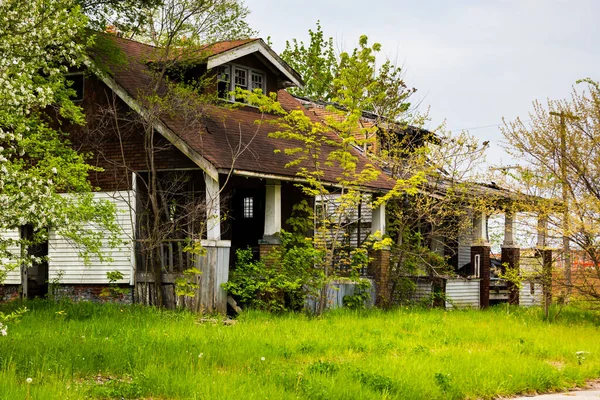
[(231, 138)]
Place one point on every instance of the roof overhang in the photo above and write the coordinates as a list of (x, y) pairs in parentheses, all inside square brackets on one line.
[(260, 47), (297, 179)]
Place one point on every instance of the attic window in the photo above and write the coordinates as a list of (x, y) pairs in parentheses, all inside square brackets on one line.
[(223, 81), (75, 81), (257, 82), (243, 77)]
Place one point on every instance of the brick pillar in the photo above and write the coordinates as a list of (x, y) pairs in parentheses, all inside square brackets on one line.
[(265, 250), (510, 260), (484, 272), (379, 268), (546, 256)]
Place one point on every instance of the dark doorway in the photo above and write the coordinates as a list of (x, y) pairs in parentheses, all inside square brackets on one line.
[(247, 218), (36, 284)]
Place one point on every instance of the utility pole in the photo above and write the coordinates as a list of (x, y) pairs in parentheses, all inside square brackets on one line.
[(565, 197)]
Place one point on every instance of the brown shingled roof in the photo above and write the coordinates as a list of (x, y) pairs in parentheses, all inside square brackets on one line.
[(227, 129)]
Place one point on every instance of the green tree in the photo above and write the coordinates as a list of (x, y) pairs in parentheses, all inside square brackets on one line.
[(432, 168), (315, 62), (559, 153), (356, 87), (40, 41)]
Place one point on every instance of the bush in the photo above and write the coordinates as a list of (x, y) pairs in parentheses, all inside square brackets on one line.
[(279, 283)]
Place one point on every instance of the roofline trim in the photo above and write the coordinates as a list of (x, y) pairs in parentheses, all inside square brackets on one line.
[(161, 127), (256, 46), (261, 175)]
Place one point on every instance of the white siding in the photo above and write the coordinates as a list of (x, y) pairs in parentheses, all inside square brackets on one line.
[(462, 293), (423, 290), (527, 298), (64, 256), (351, 216), (336, 292), (14, 276)]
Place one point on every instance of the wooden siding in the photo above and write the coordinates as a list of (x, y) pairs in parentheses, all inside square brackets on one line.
[(351, 217), (14, 276), (423, 291), (530, 294), (462, 293), (63, 256), (214, 265)]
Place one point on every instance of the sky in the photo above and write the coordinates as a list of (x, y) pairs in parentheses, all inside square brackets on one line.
[(472, 62)]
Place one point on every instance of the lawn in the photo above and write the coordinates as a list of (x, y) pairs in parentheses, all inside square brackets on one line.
[(85, 350)]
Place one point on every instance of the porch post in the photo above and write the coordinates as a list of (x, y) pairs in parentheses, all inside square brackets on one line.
[(511, 254), (480, 257), (380, 259), (272, 212), (378, 219), (213, 208), (272, 227), (214, 264)]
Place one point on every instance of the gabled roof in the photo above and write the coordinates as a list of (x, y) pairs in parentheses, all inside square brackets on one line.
[(224, 52), (226, 130)]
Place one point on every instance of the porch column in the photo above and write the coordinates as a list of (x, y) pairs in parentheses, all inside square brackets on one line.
[(378, 219), (480, 257), (380, 259), (270, 239), (214, 263), (545, 254), (272, 212), (213, 208), (511, 254)]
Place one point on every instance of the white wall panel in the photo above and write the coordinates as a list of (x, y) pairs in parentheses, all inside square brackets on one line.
[(14, 276), (65, 257)]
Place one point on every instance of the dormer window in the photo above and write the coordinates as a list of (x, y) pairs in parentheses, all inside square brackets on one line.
[(243, 77), (223, 82)]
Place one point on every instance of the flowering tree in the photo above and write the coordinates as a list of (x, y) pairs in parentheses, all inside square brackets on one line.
[(40, 40)]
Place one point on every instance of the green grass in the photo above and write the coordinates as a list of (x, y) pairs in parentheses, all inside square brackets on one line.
[(85, 350)]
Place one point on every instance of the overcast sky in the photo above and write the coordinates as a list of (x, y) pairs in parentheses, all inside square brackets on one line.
[(472, 62)]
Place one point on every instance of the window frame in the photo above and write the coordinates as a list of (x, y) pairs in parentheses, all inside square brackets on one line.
[(249, 83), (248, 207), (227, 81)]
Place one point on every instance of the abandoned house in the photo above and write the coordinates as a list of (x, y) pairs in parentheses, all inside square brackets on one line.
[(218, 157)]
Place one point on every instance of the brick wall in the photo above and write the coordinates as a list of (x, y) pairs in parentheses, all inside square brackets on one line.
[(9, 292), (484, 273), (92, 293), (265, 251), (511, 257), (109, 143), (379, 268)]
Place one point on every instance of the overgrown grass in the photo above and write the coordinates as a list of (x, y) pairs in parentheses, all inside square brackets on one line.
[(85, 350)]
